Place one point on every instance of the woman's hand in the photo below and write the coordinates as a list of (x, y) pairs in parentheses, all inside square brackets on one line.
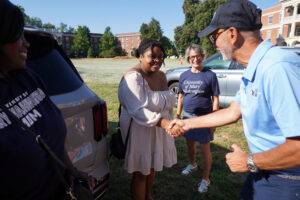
[(80, 175), (212, 130)]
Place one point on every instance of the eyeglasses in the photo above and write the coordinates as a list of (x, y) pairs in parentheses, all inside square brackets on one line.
[(193, 57), (213, 37)]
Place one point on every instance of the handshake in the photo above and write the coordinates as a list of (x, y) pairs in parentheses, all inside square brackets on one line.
[(176, 127)]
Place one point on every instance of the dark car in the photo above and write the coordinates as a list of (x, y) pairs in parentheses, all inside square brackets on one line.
[(84, 112)]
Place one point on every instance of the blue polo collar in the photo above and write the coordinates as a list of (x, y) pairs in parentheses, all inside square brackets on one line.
[(256, 57)]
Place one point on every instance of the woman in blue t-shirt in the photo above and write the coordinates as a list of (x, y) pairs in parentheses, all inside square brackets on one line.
[(198, 95)]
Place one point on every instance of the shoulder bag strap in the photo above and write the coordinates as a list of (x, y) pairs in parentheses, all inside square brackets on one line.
[(51, 155)]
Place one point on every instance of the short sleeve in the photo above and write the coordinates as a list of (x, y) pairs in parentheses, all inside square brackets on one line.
[(237, 97), (283, 96), (133, 96), (214, 85), (180, 84)]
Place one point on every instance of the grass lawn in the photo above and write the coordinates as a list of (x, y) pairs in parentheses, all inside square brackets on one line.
[(170, 184)]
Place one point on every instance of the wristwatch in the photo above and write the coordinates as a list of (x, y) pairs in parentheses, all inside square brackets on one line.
[(250, 164)]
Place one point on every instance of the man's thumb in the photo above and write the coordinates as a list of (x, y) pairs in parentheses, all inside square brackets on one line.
[(235, 147)]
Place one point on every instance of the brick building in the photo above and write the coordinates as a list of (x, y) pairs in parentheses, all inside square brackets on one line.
[(65, 40), (129, 41), (281, 23)]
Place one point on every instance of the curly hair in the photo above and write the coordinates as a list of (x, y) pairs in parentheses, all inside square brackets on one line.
[(149, 43)]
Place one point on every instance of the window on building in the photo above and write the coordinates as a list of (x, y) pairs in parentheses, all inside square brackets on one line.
[(67, 38), (126, 45), (126, 38), (290, 11), (298, 31), (270, 20), (122, 39), (269, 34), (280, 17), (298, 9), (122, 46)]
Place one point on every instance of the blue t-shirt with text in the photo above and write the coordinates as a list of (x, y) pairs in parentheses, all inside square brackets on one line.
[(197, 90), (26, 171)]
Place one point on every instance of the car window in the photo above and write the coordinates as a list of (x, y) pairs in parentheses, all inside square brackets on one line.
[(56, 73), (236, 66), (216, 62)]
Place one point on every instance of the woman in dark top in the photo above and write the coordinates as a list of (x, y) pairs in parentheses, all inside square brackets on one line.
[(198, 95), (26, 171)]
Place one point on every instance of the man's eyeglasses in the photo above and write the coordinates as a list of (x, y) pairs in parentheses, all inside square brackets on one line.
[(213, 37)]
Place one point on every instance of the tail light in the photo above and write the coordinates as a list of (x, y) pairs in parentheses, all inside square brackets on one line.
[(100, 120)]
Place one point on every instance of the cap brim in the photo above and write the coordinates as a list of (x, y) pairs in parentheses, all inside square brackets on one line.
[(207, 31)]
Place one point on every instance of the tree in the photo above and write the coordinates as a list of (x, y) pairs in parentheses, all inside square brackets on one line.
[(62, 27), (154, 31), (26, 17), (35, 21), (90, 53), (81, 42), (108, 45), (198, 15), (70, 30), (48, 26), (151, 30)]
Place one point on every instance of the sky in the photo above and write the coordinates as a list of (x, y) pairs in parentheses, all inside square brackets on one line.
[(122, 16)]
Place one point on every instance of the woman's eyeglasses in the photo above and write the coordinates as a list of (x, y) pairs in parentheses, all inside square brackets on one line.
[(194, 57)]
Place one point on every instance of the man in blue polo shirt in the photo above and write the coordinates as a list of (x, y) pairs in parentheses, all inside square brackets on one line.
[(268, 102)]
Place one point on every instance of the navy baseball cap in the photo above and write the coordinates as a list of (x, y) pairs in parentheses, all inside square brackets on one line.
[(241, 14)]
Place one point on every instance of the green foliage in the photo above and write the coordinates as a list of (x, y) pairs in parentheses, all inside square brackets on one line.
[(90, 53), (81, 42), (151, 30), (198, 15), (70, 30), (48, 26), (62, 27), (154, 31), (37, 22), (108, 45)]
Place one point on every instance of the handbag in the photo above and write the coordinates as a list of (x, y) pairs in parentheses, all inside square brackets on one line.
[(117, 147), (75, 192)]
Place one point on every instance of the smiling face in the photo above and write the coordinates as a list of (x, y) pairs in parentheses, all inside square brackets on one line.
[(152, 60), (13, 55), (195, 59)]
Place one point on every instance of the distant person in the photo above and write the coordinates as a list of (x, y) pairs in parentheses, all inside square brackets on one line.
[(198, 95), (147, 108), (268, 102), (26, 171)]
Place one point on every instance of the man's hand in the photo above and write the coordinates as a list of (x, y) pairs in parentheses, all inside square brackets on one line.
[(237, 160), (177, 128)]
